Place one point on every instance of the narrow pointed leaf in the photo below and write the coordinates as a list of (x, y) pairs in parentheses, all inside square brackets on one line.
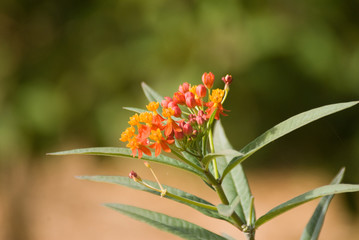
[(136, 110), (151, 94), (225, 153), (176, 226), (306, 197), (286, 127), (125, 152), (127, 182), (235, 184), (314, 226)]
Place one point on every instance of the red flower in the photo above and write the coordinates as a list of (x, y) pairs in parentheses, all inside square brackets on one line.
[(201, 91), (212, 107), (179, 98), (171, 125), (160, 142), (139, 145), (208, 79), (190, 100)]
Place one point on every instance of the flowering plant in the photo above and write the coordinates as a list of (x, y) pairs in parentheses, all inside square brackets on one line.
[(188, 126)]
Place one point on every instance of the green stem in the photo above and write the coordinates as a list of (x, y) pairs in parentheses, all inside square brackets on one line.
[(250, 235), (249, 220), (214, 161), (225, 95), (222, 196), (202, 205)]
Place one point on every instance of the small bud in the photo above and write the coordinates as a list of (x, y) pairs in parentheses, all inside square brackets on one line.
[(166, 101), (201, 91), (179, 135), (187, 129), (176, 109), (208, 79), (147, 164), (201, 117), (227, 79), (184, 87), (192, 118), (190, 100), (133, 175)]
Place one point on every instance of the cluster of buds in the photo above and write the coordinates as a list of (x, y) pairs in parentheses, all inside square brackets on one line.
[(183, 118)]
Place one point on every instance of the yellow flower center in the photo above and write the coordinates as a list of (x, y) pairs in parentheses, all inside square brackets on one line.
[(127, 134), (217, 95), (134, 120), (146, 117), (152, 106), (133, 143), (156, 135), (168, 112)]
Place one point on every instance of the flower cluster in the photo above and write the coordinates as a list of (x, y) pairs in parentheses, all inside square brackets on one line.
[(183, 118)]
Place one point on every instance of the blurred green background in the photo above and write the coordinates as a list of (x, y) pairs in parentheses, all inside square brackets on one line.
[(68, 67)]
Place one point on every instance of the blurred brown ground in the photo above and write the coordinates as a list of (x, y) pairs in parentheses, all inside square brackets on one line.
[(49, 203)]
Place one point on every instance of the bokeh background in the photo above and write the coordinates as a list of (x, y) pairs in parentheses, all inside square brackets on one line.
[(68, 67)]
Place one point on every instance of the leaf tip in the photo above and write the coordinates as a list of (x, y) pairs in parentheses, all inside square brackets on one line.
[(82, 177), (54, 153)]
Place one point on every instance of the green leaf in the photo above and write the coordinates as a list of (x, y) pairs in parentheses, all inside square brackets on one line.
[(284, 128), (235, 184), (227, 236), (125, 152), (177, 226), (127, 182), (151, 95), (225, 153), (306, 197), (227, 210), (136, 110), (312, 230)]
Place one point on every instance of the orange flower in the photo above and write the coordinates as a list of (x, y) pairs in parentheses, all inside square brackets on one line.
[(160, 142), (215, 103), (216, 96), (134, 120), (139, 145), (208, 79), (127, 134), (146, 117), (171, 125), (153, 106), (212, 107), (156, 118)]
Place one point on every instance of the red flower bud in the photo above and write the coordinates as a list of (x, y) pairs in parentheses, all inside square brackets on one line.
[(227, 79), (166, 101), (184, 88), (201, 91), (132, 175), (201, 117), (175, 108), (208, 79), (179, 135), (190, 100), (187, 129)]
